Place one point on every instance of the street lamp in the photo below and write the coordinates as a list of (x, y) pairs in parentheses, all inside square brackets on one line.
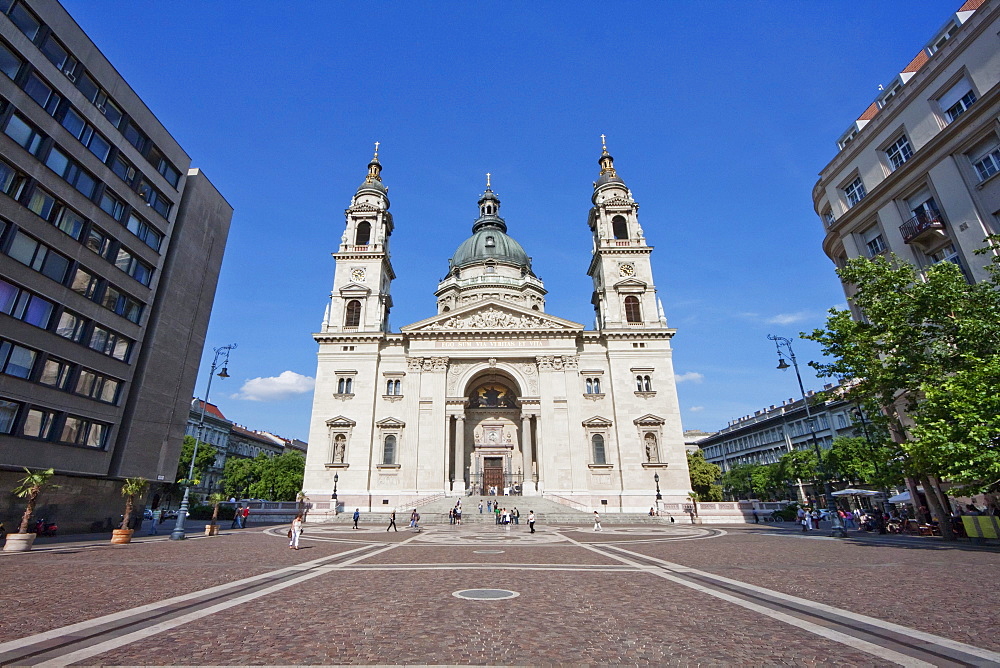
[(656, 479), (779, 341), (336, 477), (223, 353)]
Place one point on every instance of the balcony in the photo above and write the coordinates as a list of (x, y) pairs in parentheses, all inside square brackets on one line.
[(924, 227)]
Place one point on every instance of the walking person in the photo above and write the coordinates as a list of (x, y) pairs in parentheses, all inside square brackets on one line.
[(413, 519), (451, 516), (517, 516), (489, 506), (597, 521), (357, 516), (244, 515), (237, 516), (480, 506), (295, 532), (392, 521), (531, 520), (803, 519), (458, 514), (156, 520)]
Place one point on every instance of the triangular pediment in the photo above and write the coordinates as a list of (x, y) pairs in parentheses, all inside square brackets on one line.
[(390, 423), (597, 421), (630, 285), (649, 420), (355, 290), (340, 421), (493, 315)]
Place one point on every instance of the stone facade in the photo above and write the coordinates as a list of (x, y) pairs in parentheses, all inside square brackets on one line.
[(492, 393)]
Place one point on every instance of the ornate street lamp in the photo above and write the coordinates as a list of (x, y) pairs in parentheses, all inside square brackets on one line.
[(656, 479), (336, 477), (223, 353), (831, 505)]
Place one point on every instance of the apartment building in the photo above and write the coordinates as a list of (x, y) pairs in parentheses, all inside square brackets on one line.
[(110, 250), (916, 173)]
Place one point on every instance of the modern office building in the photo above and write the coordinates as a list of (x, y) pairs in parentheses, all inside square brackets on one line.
[(492, 393), (110, 250), (916, 173)]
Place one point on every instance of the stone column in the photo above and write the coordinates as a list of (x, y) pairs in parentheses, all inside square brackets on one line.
[(459, 456), (527, 448)]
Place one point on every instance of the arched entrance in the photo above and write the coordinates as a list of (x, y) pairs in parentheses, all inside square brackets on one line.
[(493, 433)]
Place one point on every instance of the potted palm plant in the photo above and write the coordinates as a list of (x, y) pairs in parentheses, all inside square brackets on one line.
[(215, 499), (131, 488), (28, 488)]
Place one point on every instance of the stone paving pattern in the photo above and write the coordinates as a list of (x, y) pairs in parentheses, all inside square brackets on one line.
[(946, 590), (366, 617), (410, 616)]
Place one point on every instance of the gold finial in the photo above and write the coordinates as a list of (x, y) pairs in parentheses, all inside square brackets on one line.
[(487, 180), (604, 146), (376, 149)]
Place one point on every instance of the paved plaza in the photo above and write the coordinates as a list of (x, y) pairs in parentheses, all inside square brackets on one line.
[(475, 594)]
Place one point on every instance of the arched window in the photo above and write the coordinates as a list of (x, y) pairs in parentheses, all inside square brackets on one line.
[(638, 383), (650, 442), (389, 450), (619, 227), (340, 385), (364, 234), (353, 315), (590, 386), (646, 385), (598, 443), (339, 448), (347, 386), (632, 311), (597, 386), (388, 387), (397, 390)]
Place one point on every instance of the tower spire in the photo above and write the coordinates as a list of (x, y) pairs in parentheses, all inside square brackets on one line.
[(374, 168), (606, 161)]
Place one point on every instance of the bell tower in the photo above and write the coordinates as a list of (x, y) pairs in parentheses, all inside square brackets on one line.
[(360, 301), (624, 295)]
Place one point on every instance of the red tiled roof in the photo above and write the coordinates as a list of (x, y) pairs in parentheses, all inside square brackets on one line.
[(869, 112), (971, 5), (918, 61), (210, 409)]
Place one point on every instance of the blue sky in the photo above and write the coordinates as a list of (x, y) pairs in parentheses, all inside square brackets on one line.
[(719, 116)]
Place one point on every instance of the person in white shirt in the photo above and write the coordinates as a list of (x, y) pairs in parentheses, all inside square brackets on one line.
[(531, 520), (597, 521)]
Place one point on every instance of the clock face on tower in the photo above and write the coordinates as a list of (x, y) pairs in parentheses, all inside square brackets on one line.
[(626, 270), (358, 275)]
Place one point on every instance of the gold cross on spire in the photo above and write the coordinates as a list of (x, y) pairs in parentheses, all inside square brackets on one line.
[(604, 145), (376, 149), (487, 180)]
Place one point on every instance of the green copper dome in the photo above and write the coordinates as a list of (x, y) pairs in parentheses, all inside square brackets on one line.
[(489, 240), (489, 243)]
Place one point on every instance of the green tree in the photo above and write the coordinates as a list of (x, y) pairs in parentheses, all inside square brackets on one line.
[(131, 488), (738, 481), (29, 487), (206, 457), (280, 478), (858, 460), (921, 333), (798, 465), (239, 474), (703, 476)]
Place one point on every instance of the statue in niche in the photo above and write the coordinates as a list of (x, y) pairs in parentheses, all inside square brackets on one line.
[(651, 455), (339, 447)]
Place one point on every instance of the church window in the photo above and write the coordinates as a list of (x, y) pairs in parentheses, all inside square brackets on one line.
[(593, 386), (590, 386), (389, 450), (345, 386), (638, 383), (393, 388), (597, 441), (353, 317), (363, 234), (619, 227), (632, 311)]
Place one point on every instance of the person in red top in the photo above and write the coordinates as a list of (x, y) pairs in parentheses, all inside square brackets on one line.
[(246, 514)]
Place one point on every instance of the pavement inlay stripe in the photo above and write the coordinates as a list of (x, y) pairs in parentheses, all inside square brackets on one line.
[(899, 644), (77, 642)]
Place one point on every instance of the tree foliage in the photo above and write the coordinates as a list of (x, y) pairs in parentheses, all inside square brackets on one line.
[(924, 363), (274, 478), (29, 487), (205, 459), (703, 476)]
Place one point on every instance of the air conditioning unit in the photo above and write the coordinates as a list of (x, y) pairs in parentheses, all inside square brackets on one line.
[(69, 75)]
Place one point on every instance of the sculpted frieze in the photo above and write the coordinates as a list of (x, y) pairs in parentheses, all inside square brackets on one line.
[(491, 318)]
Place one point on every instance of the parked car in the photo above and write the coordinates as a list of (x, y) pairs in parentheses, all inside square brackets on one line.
[(147, 514)]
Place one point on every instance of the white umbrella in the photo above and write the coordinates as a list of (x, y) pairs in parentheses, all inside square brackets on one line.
[(856, 492), (900, 498)]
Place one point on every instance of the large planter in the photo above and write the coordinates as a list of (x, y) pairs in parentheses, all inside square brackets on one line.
[(211, 529), (121, 536), (19, 542)]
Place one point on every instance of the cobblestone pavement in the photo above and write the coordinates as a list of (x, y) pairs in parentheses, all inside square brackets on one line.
[(633, 595)]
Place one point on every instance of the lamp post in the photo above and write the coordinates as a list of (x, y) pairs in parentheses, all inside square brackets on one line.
[(656, 479), (336, 477), (223, 353), (779, 341)]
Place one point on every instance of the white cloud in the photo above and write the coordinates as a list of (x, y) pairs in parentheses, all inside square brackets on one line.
[(788, 318), (696, 409), (275, 388), (693, 376)]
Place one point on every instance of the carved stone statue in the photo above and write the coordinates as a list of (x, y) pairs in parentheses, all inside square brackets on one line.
[(651, 455), (339, 446)]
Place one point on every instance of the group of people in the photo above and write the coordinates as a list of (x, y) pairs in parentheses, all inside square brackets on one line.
[(240, 517), (808, 518), (455, 514)]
